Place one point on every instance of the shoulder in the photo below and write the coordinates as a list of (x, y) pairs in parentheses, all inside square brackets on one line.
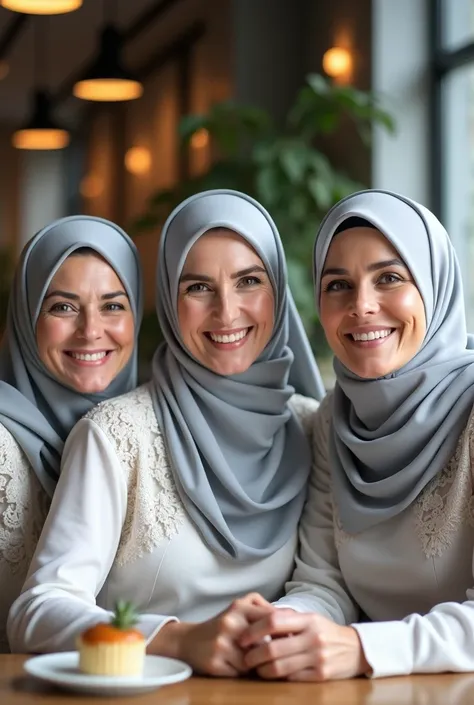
[(11, 451), (132, 407), (305, 409)]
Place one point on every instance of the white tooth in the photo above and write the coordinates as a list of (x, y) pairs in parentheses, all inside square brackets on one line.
[(225, 338), (371, 335), (232, 338)]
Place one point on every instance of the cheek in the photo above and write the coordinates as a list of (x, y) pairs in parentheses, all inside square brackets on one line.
[(409, 307), (329, 317), (51, 332), (124, 330), (262, 308)]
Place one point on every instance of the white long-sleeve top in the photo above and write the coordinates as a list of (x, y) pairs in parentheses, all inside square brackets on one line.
[(406, 585), (23, 508), (117, 529)]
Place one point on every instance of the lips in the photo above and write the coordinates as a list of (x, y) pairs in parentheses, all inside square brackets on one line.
[(88, 356), (228, 337)]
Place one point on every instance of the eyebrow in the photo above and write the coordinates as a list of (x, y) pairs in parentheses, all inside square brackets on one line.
[(75, 297), (241, 273), (396, 262)]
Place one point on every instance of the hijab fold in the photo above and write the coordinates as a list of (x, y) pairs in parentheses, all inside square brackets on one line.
[(239, 455), (37, 409), (391, 436)]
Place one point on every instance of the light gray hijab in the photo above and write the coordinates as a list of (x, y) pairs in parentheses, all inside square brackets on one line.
[(391, 436), (38, 410), (239, 456)]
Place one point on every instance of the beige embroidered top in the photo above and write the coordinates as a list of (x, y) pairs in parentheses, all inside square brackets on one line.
[(411, 577), (117, 529), (23, 509)]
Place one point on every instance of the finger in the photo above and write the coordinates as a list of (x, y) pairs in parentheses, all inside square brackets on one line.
[(305, 675), (278, 622), (235, 657), (276, 649), (284, 667), (253, 598)]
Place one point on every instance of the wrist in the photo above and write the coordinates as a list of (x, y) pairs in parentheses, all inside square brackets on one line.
[(363, 667), (169, 640)]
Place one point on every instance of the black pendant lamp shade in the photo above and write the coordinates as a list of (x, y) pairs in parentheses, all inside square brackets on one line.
[(108, 79)]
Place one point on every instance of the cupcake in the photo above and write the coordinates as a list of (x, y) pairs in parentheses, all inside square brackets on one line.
[(113, 648)]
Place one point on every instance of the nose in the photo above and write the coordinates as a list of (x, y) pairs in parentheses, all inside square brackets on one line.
[(227, 307), (364, 301), (89, 324)]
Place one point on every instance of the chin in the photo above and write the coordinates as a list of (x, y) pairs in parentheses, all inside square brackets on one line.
[(92, 387), (370, 371)]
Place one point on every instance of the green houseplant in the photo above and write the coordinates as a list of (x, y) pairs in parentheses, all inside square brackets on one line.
[(281, 166)]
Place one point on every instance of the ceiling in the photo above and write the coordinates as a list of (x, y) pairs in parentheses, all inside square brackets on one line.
[(69, 43)]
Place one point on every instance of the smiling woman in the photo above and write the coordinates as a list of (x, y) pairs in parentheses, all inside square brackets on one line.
[(384, 583), (85, 330), (187, 492), (76, 294)]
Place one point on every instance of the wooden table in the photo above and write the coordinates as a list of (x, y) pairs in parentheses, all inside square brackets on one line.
[(16, 688)]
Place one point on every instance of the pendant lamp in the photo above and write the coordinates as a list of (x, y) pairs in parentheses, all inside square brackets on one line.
[(41, 7), (108, 79), (40, 132)]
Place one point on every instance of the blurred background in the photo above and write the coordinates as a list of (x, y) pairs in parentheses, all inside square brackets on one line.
[(120, 109)]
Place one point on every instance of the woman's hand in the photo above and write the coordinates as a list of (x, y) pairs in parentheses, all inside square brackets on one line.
[(212, 647), (304, 647)]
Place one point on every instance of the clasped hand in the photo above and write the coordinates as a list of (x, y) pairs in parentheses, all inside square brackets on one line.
[(302, 647)]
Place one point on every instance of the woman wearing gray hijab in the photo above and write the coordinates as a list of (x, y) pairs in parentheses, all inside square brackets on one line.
[(187, 492), (387, 535), (70, 342)]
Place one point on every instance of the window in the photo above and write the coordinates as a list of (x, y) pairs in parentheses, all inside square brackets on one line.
[(452, 176)]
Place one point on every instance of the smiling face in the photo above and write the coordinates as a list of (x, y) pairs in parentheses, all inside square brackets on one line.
[(371, 310), (225, 303), (85, 330)]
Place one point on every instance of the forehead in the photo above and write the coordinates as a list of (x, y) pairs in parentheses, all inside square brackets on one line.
[(361, 242), (81, 269), (221, 246)]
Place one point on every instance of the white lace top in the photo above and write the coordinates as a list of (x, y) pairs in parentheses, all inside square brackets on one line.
[(23, 509), (411, 576), (117, 529)]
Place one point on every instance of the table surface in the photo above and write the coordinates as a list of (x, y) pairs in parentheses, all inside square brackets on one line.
[(17, 688)]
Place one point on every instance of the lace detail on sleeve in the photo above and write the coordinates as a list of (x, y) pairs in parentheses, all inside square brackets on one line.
[(447, 503), (23, 506), (154, 509), (23, 509)]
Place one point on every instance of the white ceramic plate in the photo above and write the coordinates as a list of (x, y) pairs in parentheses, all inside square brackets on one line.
[(62, 670)]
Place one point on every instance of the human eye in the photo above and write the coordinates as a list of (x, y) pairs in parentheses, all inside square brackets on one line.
[(336, 285), (61, 307), (390, 278), (114, 307), (196, 288), (249, 281)]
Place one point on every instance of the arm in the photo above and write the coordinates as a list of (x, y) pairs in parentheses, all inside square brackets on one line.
[(76, 549), (442, 640), (317, 584)]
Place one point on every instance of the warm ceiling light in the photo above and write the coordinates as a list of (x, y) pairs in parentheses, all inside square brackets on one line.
[(337, 62), (108, 89), (138, 160), (200, 139), (91, 186), (41, 132), (41, 7), (40, 139), (108, 80)]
